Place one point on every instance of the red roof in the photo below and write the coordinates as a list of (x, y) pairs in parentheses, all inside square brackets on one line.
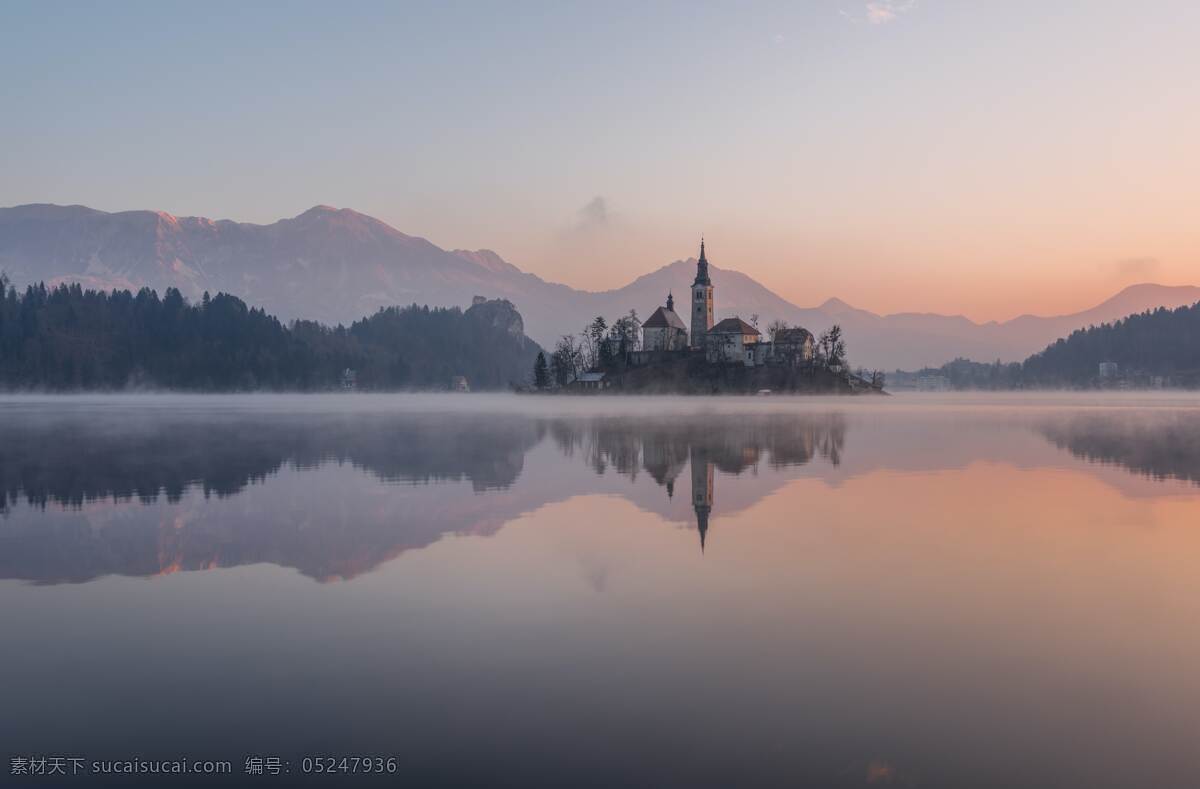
[(733, 326), (664, 318)]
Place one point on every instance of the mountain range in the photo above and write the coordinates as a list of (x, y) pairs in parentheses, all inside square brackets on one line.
[(337, 265)]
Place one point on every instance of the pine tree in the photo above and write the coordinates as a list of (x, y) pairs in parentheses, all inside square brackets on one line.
[(71, 338), (541, 372)]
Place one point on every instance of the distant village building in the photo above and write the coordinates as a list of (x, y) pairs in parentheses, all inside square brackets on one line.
[(459, 384), (1108, 370), (349, 380), (731, 340), (665, 330), (702, 301), (933, 382)]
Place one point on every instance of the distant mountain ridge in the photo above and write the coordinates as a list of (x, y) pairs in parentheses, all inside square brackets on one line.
[(337, 265)]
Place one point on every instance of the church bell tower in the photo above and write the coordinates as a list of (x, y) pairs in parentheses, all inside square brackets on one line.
[(702, 301)]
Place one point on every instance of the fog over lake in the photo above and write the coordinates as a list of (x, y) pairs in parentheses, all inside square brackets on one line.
[(921, 590)]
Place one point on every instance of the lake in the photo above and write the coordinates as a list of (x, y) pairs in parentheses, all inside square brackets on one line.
[(922, 590)]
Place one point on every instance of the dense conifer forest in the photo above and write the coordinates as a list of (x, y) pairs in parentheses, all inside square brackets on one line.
[(67, 338), (1160, 346), (1160, 342)]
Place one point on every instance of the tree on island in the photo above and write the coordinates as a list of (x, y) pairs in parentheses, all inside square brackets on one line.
[(567, 360), (541, 373), (608, 354), (831, 348), (627, 331), (592, 338)]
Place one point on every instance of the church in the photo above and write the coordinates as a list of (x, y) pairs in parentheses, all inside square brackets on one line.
[(665, 330), (730, 341)]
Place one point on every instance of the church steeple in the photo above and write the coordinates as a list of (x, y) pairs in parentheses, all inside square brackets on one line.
[(702, 267), (702, 301), (670, 301)]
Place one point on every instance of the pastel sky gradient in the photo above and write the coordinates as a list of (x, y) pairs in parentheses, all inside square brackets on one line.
[(984, 158)]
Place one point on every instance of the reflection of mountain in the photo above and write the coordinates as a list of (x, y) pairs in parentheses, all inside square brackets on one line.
[(327, 523), (73, 461), (144, 496), (1159, 445), (336, 495)]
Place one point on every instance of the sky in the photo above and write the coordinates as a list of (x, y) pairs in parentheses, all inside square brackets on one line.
[(979, 158)]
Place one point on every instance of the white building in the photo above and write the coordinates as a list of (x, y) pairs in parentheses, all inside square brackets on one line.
[(664, 330), (731, 340)]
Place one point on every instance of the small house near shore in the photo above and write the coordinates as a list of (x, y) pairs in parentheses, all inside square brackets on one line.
[(591, 381)]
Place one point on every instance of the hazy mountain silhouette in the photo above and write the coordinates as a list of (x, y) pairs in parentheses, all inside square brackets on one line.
[(336, 265)]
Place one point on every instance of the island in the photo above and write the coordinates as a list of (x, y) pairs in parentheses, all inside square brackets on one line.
[(731, 356)]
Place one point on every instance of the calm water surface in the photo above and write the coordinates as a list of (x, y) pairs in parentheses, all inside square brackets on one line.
[(917, 591)]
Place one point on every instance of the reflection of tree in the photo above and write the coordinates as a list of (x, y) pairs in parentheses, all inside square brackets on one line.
[(326, 526), (73, 461), (732, 443), (330, 524), (663, 446), (1161, 446)]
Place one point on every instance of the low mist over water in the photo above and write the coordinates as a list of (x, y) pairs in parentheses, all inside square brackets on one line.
[(910, 591)]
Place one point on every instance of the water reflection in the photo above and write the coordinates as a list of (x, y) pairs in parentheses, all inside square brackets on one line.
[(664, 446), (75, 460), (335, 496), (1156, 444), (802, 595)]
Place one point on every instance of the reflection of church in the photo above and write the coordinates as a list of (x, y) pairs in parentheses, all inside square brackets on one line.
[(731, 446), (702, 491)]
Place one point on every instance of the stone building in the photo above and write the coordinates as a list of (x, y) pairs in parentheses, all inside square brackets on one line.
[(732, 340), (664, 330), (793, 346)]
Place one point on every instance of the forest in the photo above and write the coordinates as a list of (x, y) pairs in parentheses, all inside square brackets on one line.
[(66, 338), (1161, 344)]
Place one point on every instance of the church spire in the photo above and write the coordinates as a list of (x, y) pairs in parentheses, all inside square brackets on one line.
[(670, 301), (702, 267)]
